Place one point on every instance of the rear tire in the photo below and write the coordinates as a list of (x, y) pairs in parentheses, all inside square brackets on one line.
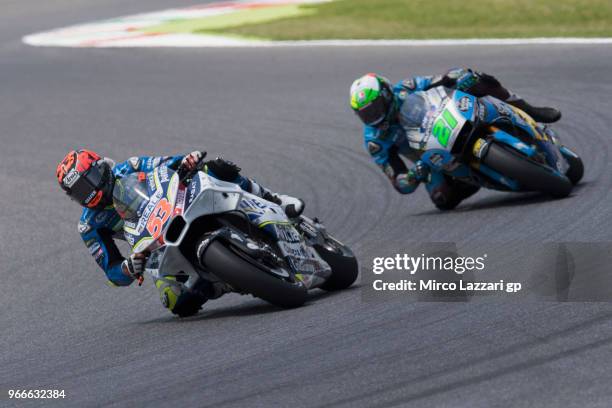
[(530, 175), (245, 276), (576, 168), (344, 268)]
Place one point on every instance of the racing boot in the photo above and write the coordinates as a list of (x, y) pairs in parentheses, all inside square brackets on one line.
[(292, 206), (481, 84), (539, 114)]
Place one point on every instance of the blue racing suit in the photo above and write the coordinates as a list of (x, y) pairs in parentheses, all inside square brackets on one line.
[(388, 143), (99, 228)]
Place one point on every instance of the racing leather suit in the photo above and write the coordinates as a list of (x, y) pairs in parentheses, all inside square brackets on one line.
[(386, 145), (99, 228)]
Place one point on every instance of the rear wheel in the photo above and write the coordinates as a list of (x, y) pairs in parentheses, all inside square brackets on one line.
[(576, 168), (343, 263), (529, 174), (245, 275)]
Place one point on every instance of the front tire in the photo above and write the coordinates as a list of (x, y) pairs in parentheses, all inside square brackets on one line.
[(245, 276), (530, 175)]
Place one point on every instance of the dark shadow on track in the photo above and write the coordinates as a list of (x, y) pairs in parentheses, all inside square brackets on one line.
[(509, 201), (251, 307)]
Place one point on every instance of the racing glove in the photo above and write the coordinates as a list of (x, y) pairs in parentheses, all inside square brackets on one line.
[(406, 183), (462, 79), (134, 265)]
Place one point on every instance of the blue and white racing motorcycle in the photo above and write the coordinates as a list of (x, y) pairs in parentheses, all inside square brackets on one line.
[(197, 228), (497, 155)]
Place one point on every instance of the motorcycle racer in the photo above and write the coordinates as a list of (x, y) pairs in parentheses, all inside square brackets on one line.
[(89, 178), (393, 116)]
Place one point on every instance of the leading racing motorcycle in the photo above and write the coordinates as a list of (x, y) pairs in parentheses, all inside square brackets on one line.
[(195, 227), (497, 156)]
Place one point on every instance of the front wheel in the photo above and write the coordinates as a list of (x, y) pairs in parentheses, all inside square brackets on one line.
[(530, 175), (243, 274)]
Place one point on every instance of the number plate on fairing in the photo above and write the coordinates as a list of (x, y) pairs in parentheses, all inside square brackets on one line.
[(155, 215), (448, 116)]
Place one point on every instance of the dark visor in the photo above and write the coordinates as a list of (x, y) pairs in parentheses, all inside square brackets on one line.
[(86, 186), (374, 113)]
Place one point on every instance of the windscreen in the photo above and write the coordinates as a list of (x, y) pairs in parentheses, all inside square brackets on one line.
[(130, 196)]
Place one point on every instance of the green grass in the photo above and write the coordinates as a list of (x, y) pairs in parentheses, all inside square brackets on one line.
[(419, 19), (224, 21)]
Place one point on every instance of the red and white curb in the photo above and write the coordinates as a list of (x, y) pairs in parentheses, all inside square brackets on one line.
[(128, 32)]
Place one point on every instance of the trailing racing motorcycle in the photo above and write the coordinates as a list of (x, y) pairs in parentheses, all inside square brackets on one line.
[(195, 227), (498, 156)]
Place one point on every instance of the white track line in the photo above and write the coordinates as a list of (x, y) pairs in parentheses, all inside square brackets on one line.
[(204, 41), (128, 32)]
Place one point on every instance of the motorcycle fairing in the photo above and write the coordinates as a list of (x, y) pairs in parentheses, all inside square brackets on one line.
[(442, 127), (451, 110), (213, 196), (508, 139), (162, 187), (303, 259), (466, 104)]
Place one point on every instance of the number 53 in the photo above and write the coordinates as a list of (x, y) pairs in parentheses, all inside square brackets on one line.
[(158, 217)]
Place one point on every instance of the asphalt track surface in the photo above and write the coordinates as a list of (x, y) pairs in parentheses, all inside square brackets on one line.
[(282, 115)]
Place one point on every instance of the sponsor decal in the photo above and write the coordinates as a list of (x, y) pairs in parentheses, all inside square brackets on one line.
[(71, 178), (151, 181), (465, 104), (94, 248), (99, 254), (90, 197), (130, 224), (192, 190), (250, 205), (287, 233), (180, 201), (83, 227), (163, 174), (482, 111), (134, 162), (479, 147), (374, 147)]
